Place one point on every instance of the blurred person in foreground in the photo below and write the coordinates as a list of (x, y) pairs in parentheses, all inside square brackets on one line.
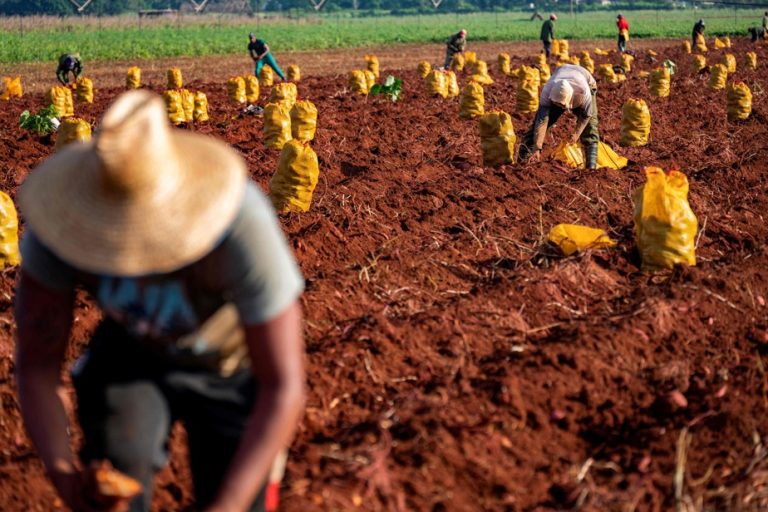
[(623, 25), (570, 89), (455, 44), (259, 51), (201, 320), (548, 34), (69, 63)]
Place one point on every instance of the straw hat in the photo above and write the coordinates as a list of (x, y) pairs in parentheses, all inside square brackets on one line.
[(140, 198), (561, 93)]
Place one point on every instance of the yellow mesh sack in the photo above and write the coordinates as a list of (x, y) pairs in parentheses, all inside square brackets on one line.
[(727, 41), (251, 88), (605, 72), (470, 57), (730, 62), (504, 61), (719, 45), (608, 158), (457, 63), (61, 98), (277, 125), (480, 74), (526, 73), (739, 101), (84, 90), (188, 105), (555, 48), (528, 96), (266, 77), (72, 129), (357, 81), (285, 93), (133, 78), (423, 69), (544, 73), (587, 63), (660, 79), (70, 104), (293, 73), (751, 60), (699, 63), (472, 102), (541, 60), (665, 226), (372, 63), (370, 79), (174, 106), (625, 33), (687, 46), (574, 59), (303, 120), (601, 52), (291, 187), (571, 238), (201, 107), (12, 88), (236, 89), (174, 79), (9, 232), (451, 84), (497, 138), (635, 123), (626, 62), (563, 48), (570, 154), (436, 85), (718, 77), (701, 44)]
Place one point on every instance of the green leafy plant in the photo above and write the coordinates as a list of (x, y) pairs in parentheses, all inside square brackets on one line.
[(44, 122), (391, 87)]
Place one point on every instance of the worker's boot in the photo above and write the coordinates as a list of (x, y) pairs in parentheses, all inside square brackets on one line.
[(592, 156)]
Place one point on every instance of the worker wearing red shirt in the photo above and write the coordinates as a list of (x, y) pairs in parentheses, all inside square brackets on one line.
[(623, 26)]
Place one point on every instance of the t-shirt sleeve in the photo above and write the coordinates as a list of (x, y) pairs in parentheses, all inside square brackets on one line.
[(255, 263), (44, 266)]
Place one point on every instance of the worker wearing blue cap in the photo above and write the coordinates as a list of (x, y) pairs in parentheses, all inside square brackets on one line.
[(259, 51)]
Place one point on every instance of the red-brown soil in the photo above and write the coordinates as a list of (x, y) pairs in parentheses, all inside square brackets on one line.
[(457, 362)]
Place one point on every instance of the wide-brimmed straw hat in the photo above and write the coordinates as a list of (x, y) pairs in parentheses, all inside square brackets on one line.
[(140, 198)]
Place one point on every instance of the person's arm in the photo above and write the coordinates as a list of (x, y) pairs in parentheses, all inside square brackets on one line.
[(276, 352), (540, 127), (62, 76), (266, 51), (78, 68), (581, 123)]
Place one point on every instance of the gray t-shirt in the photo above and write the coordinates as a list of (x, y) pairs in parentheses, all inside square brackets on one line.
[(194, 315), (582, 82)]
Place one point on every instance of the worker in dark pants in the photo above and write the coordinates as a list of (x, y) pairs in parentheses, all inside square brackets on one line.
[(698, 29), (548, 33), (69, 63), (259, 52), (569, 89), (623, 25), (455, 44), (757, 33)]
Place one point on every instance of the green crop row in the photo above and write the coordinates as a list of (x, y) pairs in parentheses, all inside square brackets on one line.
[(33, 44)]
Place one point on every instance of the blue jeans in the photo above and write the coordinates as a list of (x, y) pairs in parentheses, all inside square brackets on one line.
[(270, 61)]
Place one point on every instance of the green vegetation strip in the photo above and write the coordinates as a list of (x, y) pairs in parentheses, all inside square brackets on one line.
[(128, 41)]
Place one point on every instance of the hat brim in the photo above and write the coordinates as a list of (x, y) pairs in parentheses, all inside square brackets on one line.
[(66, 206)]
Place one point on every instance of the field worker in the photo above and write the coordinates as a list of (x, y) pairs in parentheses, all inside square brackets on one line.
[(259, 51), (201, 321), (698, 28), (570, 88), (455, 44), (548, 33), (69, 63), (758, 33), (623, 26)]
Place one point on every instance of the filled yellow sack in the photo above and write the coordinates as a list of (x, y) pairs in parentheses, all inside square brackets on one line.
[(665, 226), (372, 62), (188, 105), (472, 100), (624, 32), (470, 57), (635, 123), (133, 78), (699, 63), (751, 60), (72, 129), (570, 153), (572, 238), (718, 77), (293, 73), (9, 232), (528, 95), (660, 83), (266, 77), (277, 125), (601, 52), (457, 63), (84, 90), (61, 98), (504, 61), (541, 60), (291, 187), (739, 101), (554, 49), (587, 63), (174, 79), (719, 45), (727, 41), (12, 88), (357, 81), (526, 73), (574, 59), (174, 106), (701, 44), (423, 69), (285, 93), (480, 74), (687, 46), (436, 85), (544, 73), (200, 113), (497, 138), (251, 88), (370, 79), (236, 89), (730, 62), (626, 62), (563, 48), (303, 120), (605, 72), (451, 84)]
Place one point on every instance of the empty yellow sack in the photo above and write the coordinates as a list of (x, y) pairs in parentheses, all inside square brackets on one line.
[(72, 129), (687, 46), (357, 81), (472, 100), (497, 138), (133, 78), (660, 82), (480, 74), (12, 88), (291, 187), (436, 85), (201, 107), (188, 105), (303, 120), (504, 61), (285, 93), (719, 45), (293, 73), (606, 72), (626, 62), (174, 107), (251, 88), (587, 63), (372, 62), (607, 157), (665, 226), (701, 44), (174, 79), (751, 60), (699, 63), (528, 95), (277, 125), (266, 77), (635, 123), (451, 84), (572, 155), (572, 238), (457, 63), (730, 62), (739, 102), (236, 89), (9, 232), (61, 98), (423, 69), (718, 77)]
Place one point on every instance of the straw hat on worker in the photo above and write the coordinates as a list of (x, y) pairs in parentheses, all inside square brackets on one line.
[(140, 198)]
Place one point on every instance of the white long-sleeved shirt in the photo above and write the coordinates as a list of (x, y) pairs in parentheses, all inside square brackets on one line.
[(582, 82)]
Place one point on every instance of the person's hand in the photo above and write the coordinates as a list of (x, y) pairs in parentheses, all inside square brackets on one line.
[(535, 156), (574, 139)]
